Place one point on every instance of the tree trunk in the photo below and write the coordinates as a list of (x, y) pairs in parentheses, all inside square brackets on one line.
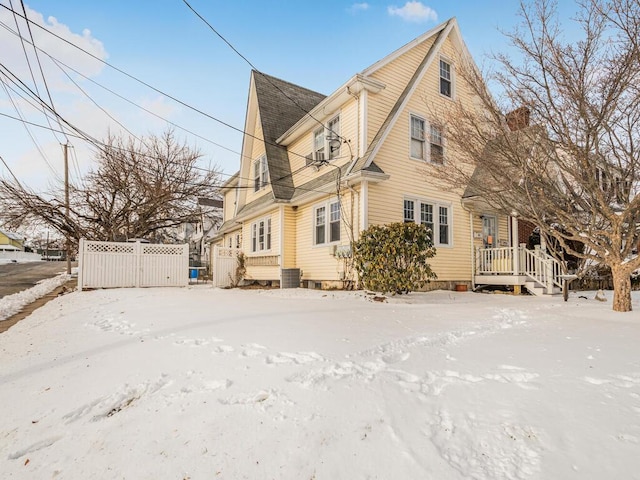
[(621, 290)]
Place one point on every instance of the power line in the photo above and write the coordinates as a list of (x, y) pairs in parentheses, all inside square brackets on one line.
[(142, 82), (96, 142), (293, 100), (35, 51), (22, 119), (10, 171), (59, 63), (101, 146)]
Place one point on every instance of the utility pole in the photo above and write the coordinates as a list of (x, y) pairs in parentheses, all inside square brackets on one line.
[(66, 202)]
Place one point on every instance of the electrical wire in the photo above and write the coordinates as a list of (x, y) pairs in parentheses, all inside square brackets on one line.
[(293, 100), (35, 51), (94, 141), (142, 82), (33, 139), (10, 171)]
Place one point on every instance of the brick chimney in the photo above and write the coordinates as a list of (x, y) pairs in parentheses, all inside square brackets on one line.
[(518, 118)]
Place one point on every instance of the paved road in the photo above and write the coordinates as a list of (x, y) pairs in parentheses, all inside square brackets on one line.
[(15, 277)]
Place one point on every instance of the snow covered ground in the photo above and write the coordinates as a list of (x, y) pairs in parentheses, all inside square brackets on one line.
[(12, 304), (202, 383)]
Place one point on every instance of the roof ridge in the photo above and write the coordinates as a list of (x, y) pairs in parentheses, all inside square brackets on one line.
[(389, 121), (287, 82)]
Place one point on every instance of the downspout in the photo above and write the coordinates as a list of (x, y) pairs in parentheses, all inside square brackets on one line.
[(281, 242)]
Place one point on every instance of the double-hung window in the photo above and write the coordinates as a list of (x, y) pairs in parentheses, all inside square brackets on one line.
[(318, 145), (326, 226), (333, 138), (445, 79), (436, 145), (417, 137), (433, 215), (260, 173), (326, 141), (421, 131), (261, 235)]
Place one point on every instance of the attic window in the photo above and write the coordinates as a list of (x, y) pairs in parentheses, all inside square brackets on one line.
[(260, 173), (445, 78)]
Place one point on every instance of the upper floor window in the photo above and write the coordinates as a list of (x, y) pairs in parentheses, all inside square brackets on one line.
[(260, 173), (445, 78), (433, 215), (436, 145), (327, 223), (326, 141), (417, 137), (420, 149)]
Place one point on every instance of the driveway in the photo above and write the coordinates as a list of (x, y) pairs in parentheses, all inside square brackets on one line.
[(15, 277)]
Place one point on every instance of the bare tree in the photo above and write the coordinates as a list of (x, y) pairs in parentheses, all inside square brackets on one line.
[(568, 159), (140, 189)]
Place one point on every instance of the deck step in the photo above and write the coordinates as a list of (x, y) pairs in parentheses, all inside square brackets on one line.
[(536, 289)]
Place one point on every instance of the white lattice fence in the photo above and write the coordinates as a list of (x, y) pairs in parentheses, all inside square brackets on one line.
[(114, 264), (225, 262)]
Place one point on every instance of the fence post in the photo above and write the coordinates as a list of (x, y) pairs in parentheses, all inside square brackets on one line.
[(185, 254), (80, 263), (137, 249)]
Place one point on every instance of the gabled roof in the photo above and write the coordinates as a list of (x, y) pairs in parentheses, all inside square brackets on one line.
[(482, 179), (441, 31), (281, 104)]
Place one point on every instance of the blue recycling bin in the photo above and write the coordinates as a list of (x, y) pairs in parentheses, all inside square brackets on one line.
[(193, 274)]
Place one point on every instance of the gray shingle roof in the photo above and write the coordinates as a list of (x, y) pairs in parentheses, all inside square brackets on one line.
[(281, 105)]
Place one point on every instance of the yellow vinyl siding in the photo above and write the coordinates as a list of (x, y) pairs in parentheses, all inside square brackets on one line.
[(290, 245), (302, 147), (317, 261), (257, 151), (411, 178), (257, 272), (229, 203), (395, 75)]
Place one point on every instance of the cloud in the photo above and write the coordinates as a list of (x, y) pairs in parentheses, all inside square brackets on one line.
[(358, 7), (413, 12), (14, 58)]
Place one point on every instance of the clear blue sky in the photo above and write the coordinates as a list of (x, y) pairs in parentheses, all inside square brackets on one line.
[(318, 45)]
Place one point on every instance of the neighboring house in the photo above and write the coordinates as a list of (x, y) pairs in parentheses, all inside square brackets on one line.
[(329, 167), (198, 235), (13, 239)]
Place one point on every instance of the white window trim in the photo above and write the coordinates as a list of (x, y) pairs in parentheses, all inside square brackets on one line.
[(452, 70), (263, 167), (436, 217), (326, 144), (425, 151), (427, 140), (267, 223), (327, 223)]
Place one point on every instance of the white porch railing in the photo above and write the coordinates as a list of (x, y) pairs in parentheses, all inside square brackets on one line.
[(534, 264)]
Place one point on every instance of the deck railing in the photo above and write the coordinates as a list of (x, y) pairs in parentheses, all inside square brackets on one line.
[(535, 264)]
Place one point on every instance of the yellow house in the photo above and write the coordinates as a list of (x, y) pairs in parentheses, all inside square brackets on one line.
[(13, 239), (317, 170)]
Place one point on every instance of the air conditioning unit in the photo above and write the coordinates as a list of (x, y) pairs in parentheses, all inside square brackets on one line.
[(315, 158)]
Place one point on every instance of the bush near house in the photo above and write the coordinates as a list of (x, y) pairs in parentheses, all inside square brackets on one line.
[(393, 257)]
